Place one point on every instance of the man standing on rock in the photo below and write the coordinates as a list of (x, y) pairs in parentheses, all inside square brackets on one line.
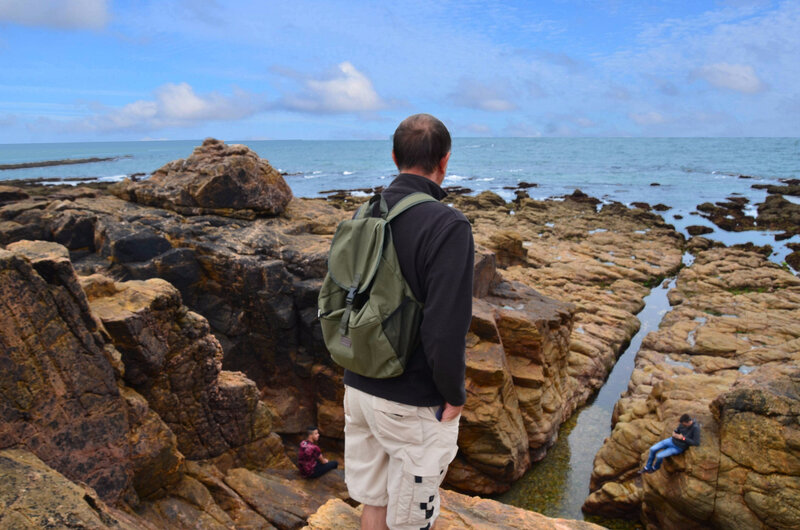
[(401, 433), (686, 434)]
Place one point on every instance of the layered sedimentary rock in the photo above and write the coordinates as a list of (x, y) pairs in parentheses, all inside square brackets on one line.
[(727, 354), (597, 260), (221, 179), (34, 495)]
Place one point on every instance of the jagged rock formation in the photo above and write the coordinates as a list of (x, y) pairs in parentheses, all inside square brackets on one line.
[(197, 442), (189, 443), (727, 354), (220, 179), (597, 261), (160, 371)]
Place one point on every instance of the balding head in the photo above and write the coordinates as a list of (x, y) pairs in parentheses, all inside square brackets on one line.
[(420, 141)]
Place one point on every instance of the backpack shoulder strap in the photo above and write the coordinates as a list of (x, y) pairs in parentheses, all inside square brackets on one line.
[(368, 208), (407, 202)]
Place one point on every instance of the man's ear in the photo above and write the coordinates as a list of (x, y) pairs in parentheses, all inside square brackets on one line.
[(394, 159), (443, 163)]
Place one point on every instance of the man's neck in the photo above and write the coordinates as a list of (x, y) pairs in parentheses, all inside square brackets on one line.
[(437, 177)]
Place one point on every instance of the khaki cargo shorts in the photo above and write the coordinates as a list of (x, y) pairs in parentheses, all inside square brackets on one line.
[(396, 455)]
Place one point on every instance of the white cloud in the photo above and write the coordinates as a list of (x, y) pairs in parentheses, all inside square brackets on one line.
[(345, 90), (475, 95), (69, 14), (176, 105), (647, 118), (736, 77)]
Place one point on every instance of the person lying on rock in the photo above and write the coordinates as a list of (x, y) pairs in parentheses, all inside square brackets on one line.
[(686, 434), (309, 457)]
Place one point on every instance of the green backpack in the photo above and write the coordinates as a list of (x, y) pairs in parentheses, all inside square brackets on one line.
[(370, 318)]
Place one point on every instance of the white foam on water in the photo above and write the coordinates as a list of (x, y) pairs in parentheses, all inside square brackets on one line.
[(347, 172), (455, 178)]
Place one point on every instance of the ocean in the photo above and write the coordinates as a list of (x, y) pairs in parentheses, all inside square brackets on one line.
[(678, 172)]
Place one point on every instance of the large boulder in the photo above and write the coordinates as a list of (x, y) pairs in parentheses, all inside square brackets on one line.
[(221, 179)]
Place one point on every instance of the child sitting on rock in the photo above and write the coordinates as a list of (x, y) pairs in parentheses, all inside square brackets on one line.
[(309, 457)]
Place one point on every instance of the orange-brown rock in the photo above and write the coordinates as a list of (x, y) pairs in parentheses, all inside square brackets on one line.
[(727, 354), (58, 392), (601, 261), (33, 495), (171, 358)]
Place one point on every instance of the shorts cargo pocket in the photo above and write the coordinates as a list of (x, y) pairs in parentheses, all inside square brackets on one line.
[(397, 423), (417, 501)]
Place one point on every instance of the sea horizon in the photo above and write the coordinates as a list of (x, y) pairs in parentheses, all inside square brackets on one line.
[(677, 172)]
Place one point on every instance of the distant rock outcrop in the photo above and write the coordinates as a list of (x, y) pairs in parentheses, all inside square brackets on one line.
[(229, 180)]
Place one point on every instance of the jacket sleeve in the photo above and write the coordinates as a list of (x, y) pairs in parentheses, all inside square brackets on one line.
[(693, 436), (448, 307)]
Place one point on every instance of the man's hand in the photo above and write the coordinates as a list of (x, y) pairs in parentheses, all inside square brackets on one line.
[(451, 412), (323, 459)]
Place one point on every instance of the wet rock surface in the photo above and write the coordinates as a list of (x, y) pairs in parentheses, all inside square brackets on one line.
[(775, 213), (727, 354)]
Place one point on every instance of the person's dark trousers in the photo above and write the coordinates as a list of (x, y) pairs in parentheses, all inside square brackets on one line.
[(320, 469)]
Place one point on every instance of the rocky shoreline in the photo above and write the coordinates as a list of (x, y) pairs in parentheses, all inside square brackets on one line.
[(192, 297)]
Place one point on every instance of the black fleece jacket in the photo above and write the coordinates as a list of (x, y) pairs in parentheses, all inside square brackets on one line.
[(692, 434), (436, 254)]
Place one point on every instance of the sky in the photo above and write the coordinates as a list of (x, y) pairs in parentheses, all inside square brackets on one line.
[(108, 70)]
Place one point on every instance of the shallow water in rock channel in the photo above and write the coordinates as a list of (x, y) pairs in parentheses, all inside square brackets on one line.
[(557, 485)]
